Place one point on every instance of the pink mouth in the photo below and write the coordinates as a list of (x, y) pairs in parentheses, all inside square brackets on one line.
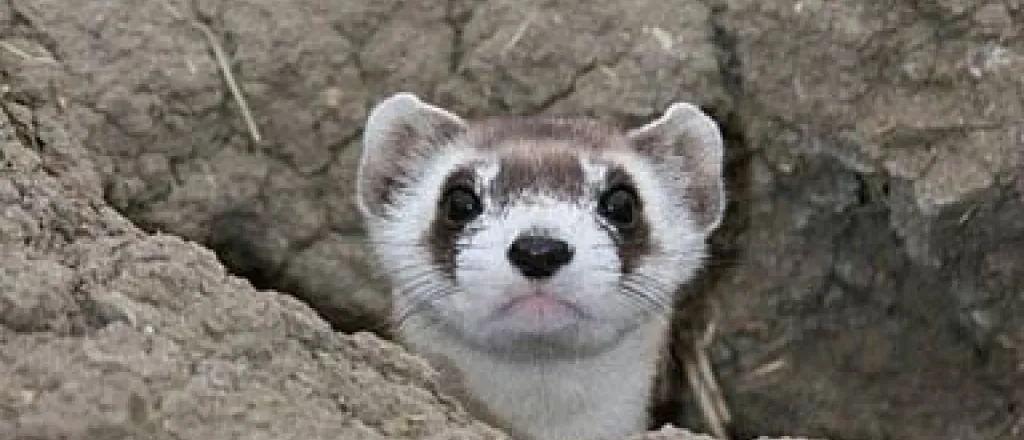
[(539, 306)]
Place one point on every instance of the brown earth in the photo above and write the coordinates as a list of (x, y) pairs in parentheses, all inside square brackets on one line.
[(870, 272)]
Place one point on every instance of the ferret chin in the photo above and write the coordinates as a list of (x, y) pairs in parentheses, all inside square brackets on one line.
[(535, 261)]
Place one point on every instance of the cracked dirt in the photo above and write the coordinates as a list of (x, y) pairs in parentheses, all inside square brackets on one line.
[(870, 273)]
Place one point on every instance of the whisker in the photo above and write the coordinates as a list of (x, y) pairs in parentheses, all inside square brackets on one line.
[(415, 282), (421, 300), (645, 296), (423, 324), (661, 286), (397, 274), (413, 300), (654, 291), (417, 289)]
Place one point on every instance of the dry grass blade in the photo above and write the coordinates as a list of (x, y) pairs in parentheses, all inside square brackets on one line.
[(701, 376), (709, 377), (25, 55), (704, 400), (225, 69)]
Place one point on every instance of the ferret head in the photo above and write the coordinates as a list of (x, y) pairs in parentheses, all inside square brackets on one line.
[(534, 235)]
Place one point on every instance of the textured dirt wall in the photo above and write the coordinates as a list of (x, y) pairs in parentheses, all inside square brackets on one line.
[(107, 332), (870, 271), (878, 273)]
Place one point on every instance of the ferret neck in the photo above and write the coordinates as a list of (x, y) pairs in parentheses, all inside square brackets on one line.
[(553, 398)]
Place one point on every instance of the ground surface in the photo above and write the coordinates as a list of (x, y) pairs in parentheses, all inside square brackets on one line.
[(870, 272)]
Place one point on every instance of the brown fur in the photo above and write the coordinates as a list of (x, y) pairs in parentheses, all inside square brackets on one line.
[(549, 166)]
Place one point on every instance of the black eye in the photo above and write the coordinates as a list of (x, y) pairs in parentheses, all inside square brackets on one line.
[(460, 205), (618, 205)]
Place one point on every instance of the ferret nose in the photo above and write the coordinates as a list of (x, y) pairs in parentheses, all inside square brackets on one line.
[(539, 257)]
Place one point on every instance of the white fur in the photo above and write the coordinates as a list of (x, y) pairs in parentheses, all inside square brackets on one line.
[(601, 397), (585, 376)]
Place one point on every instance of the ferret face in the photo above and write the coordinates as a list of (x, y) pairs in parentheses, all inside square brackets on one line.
[(536, 236)]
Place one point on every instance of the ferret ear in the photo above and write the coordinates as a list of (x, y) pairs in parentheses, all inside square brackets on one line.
[(687, 144), (400, 134)]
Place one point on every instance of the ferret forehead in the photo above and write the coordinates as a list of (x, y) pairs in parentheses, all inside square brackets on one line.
[(553, 156), (581, 134), (526, 168), (538, 166)]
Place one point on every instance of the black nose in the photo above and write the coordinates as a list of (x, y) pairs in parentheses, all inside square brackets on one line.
[(539, 257)]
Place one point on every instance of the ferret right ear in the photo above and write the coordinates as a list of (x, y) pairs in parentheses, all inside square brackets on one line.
[(400, 133)]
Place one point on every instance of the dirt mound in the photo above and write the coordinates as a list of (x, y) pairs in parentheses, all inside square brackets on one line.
[(870, 271), (109, 333)]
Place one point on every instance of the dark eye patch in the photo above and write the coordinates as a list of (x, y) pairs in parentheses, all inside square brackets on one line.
[(458, 204), (632, 239), (620, 206)]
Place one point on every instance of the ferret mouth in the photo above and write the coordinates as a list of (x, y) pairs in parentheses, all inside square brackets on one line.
[(539, 306)]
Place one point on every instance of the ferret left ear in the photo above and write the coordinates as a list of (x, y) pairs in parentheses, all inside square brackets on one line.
[(687, 144), (401, 133)]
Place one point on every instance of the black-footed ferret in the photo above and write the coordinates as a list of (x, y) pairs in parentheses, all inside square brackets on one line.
[(534, 261)]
